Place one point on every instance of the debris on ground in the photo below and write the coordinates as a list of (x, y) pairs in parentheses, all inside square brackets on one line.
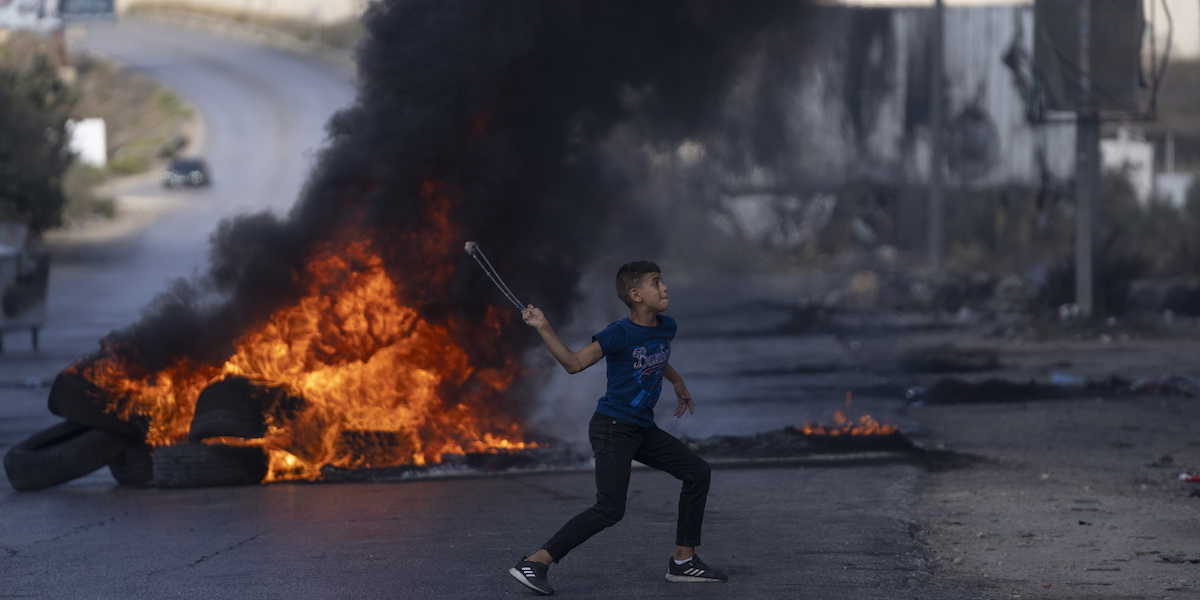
[(791, 442), (947, 358), (1193, 482), (953, 390), (1176, 558), (1168, 385)]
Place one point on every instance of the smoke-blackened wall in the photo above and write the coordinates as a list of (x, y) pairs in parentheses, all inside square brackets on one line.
[(493, 122)]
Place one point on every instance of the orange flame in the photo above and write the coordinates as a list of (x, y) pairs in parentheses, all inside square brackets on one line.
[(376, 384), (862, 426)]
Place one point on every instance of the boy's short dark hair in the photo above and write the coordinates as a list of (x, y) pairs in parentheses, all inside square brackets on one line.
[(630, 275)]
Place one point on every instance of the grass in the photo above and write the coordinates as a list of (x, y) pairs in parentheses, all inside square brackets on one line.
[(342, 35), (83, 203)]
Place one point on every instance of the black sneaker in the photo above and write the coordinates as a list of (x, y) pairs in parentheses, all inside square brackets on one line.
[(693, 571), (533, 576)]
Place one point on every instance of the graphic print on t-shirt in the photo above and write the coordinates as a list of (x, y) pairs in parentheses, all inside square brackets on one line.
[(648, 370), (636, 357)]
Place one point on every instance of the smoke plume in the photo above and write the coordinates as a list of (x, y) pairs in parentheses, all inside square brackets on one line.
[(494, 122)]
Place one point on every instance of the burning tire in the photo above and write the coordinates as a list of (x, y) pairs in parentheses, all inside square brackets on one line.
[(232, 407), (374, 449), (59, 454), (208, 465), (135, 466), (237, 407), (77, 399)]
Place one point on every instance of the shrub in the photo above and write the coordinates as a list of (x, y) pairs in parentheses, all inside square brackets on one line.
[(34, 152)]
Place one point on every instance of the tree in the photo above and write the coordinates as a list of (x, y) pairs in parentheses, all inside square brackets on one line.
[(34, 149)]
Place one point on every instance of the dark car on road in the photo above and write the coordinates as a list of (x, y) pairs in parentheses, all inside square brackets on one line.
[(186, 172)]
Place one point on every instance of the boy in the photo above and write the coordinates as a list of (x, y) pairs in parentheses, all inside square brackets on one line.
[(622, 429)]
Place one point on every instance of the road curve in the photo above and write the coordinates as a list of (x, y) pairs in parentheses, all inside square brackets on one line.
[(264, 112)]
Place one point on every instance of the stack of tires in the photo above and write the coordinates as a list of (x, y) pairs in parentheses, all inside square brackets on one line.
[(91, 438), (232, 407)]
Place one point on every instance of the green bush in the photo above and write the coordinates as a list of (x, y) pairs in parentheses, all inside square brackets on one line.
[(34, 152)]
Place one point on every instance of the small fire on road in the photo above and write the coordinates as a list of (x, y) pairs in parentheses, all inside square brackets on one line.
[(842, 425)]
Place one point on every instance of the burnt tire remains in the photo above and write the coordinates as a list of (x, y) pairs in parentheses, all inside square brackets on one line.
[(75, 398), (59, 454), (135, 466), (208, 465)]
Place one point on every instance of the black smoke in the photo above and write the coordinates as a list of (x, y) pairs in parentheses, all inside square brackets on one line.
[(505, 112)]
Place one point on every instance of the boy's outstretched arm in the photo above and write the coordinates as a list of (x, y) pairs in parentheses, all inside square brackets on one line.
[(681, 392), (572, 361)]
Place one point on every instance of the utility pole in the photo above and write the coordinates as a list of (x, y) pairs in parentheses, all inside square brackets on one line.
[(1087, 172), (937, 200)]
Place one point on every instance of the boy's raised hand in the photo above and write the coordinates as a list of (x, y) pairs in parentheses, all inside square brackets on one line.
[(685, 400), (533, 316)]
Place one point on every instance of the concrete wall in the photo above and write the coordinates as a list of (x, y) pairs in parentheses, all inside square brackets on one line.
[(316, 11), (862, 109), (1184, 21)]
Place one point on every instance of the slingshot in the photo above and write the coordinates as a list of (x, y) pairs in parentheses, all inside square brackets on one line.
[(473, 249)]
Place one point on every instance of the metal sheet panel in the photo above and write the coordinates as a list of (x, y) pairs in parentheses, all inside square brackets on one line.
[(1088, 53)]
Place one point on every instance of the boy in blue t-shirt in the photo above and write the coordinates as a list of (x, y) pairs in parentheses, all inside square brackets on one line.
[(622, 430)]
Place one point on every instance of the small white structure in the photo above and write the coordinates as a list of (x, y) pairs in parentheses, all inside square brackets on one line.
[(1173, 187), (1130, 154), (1170, 186), (89, 141)]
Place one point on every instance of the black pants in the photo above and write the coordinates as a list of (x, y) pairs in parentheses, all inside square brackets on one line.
[(616, 444)]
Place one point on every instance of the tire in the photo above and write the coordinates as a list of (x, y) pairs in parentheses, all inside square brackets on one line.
[(59, 454), (77, 399), (232, 407), (135, 466), (208, 465), (376, 449)]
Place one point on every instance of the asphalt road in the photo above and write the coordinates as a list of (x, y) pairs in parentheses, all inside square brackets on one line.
[(802, 529)]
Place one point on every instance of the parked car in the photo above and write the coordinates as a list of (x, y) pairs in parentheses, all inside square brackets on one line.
[(186, 172)]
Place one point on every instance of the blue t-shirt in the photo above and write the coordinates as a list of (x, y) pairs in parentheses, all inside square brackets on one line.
[(636, 356)]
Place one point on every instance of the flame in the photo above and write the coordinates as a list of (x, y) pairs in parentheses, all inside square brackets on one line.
[(371, 382), (842, 425)]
